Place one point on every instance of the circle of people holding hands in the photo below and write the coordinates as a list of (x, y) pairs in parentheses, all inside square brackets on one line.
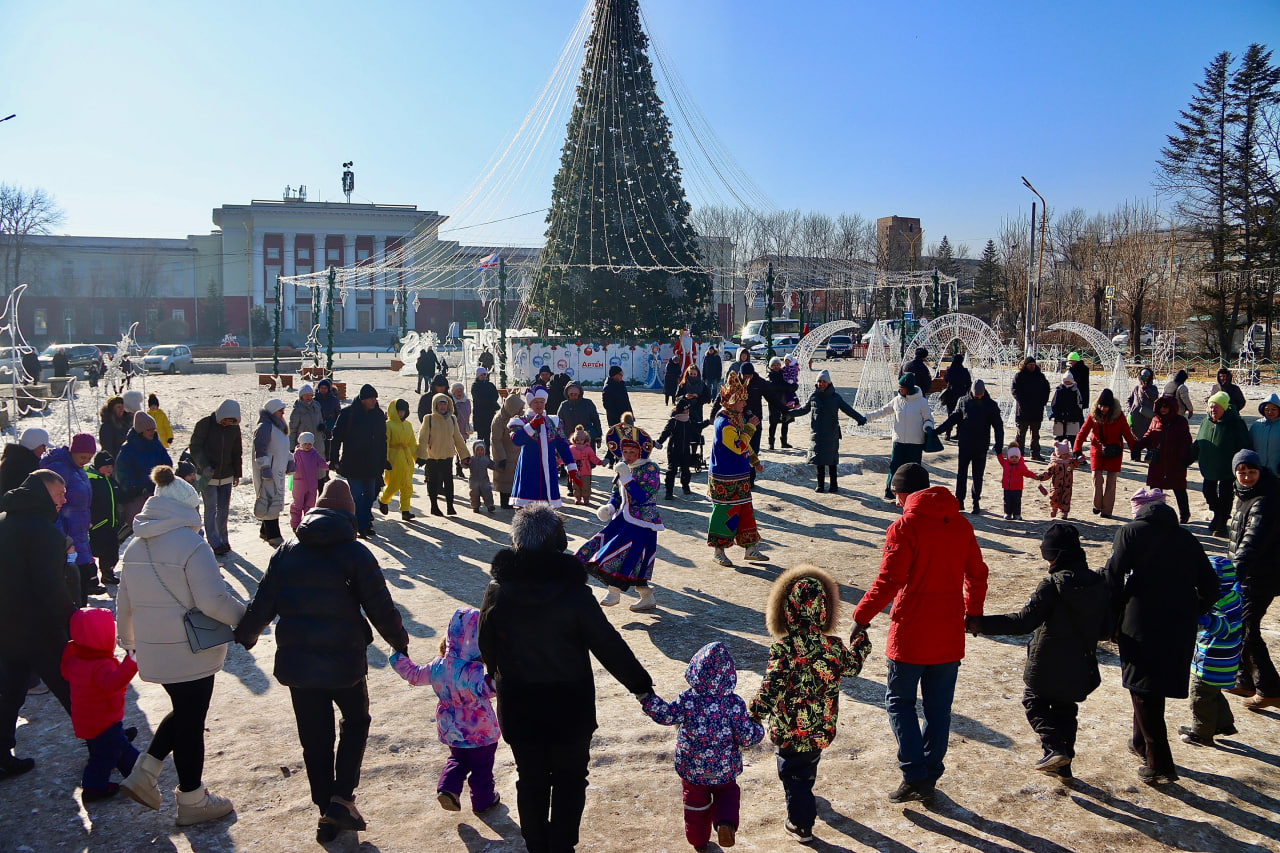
[(1186, 626)]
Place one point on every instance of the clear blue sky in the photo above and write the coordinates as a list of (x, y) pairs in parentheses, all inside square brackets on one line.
[(141, 117)]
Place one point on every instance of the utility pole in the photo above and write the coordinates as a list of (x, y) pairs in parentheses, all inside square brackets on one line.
[(275, 339), (502, 321), (768, 313), (1031, 268), (328, 319)]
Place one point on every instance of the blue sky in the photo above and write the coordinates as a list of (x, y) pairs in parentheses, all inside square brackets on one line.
[(141, 117)]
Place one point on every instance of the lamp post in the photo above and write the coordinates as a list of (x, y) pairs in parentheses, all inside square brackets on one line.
[(502, 321), (328, 319), (768, 313), (1033, 314)]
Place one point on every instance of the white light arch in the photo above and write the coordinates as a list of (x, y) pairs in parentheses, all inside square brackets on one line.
[(1107, 351)]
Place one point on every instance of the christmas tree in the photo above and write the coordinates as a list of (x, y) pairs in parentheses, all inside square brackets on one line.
[(621, 258)]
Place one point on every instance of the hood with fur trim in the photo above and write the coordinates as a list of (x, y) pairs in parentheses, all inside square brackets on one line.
[(804, 598)]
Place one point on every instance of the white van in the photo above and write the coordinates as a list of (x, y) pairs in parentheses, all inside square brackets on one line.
[(752, 333)]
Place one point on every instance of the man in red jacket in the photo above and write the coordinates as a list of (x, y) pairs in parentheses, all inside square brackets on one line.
[(932, 571)]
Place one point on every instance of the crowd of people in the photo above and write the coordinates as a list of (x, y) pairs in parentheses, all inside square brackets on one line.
[(1186, 626)]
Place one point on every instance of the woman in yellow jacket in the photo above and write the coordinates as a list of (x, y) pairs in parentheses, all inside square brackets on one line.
[(438, 440), (400, 446)]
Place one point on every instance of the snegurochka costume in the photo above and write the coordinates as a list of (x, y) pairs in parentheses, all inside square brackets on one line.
[(729, 477), (540, 442)]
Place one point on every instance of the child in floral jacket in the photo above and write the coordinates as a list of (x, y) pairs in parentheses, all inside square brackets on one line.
[(1061, 477), (801, 688), (714, 727), (465, 721)]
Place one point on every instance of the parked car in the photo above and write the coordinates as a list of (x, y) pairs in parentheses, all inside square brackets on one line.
[(1148, 339), (168, 358), (782, 345), (840, 346), (752, 333), (79, 357)]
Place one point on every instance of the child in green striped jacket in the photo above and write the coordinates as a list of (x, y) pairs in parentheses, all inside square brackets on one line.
[(1216, 661)]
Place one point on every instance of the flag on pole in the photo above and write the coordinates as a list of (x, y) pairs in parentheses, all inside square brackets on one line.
[(491, 261)]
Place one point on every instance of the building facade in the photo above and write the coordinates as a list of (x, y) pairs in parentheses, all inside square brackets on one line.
[(898, 240)]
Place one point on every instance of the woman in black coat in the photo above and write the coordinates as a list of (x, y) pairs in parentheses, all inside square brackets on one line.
[(539, 626), (484, 404), (1255, 551), (823, 408), (1160, 582), (319, 585), (712, 367), (958, 383), (671, 379), (694, 388)]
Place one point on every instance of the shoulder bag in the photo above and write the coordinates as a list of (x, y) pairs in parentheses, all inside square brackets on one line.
[(203, 631)]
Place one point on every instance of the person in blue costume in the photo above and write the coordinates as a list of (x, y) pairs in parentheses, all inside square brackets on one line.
[(623, 553), (538, 436)]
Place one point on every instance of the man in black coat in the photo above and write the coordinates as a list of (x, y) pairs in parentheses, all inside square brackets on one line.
[(35, 608), (1066, 616), (1030, 390), (426, 367), (358, 451), (712, 368), (958, 384), (21, 458), (318, 586), (1080, 372), (538, 621), (671, 379), (976, 419), (484, 404), (1255, 551), (615, 400), (439, 385), (555, 391), (920, 368), (1160, 583)]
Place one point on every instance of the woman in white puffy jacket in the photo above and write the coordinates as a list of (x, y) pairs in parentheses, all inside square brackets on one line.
[(912, 423), (166, 570), (271, 462)]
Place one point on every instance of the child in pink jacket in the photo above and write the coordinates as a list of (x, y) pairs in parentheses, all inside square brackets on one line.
[(307, 465), (1015, 472), (585, 455), (465, 721)]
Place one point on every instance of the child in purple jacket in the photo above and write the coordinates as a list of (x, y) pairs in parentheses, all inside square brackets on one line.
[(307, 465), (465, 721), (714, 727)]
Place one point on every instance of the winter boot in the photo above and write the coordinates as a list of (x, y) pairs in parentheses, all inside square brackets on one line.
[(784, 435), (822, 482), (721, 557), (435, 507), (646, 601), (449, 510), (684, 483), (671, 485), (505, 500), (835, 487), (383, 508), (89, 580), (773, 434), (612, 597), (407, 516), (199, 806), (141, 786)]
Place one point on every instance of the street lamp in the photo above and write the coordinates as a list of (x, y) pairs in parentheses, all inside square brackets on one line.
[(1033, 313)]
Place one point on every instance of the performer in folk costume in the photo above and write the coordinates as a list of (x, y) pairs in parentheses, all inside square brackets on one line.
[(729, 477), (538, 436), (623, 553), (686, 350)]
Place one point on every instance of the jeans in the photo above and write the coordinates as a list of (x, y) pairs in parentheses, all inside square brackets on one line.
[(551, 792), (798, 771), (708, 806), (1256, 669), (920, 756), (971, 458), (107, 750), (363, 492), (1220, 495), (1210, 711), (15, 675), (900, 454), (1054, 720), (476, 762), (217, 506), (181, 732), (1150, 737), (313, 709)]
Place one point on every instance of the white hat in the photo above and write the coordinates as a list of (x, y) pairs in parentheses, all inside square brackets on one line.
[(480, 371), (273, 405), (133, 401), (33, 437), (533, 392), (307, 438), (306, 389), (181, 492)]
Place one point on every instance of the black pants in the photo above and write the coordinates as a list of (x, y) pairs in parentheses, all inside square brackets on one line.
[(1257, 672), (15, 673), (313, 709), (1150, 737), (1054, 721), (798, 771), (439, 481), (822, 469), (755, 445), (181, 732), (1034, 429), (423, 379), (685, 477), (1220, 495), (774, 420), (974, 458), (551, 792), (1210, 711), (1184, 505), (1013, 502)]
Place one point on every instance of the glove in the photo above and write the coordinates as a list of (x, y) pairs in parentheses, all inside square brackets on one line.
[(537, 422), (604, 512), (502, 464), (973, 624), (862, 421), (658, 444), (386, 466)]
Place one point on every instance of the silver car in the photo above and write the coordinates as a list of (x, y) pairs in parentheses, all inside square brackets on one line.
[(168, 358)]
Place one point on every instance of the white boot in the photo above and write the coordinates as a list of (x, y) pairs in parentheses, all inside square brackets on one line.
[(141, 786), (612, 597), (646, 601), (721, 557), (199, 806)]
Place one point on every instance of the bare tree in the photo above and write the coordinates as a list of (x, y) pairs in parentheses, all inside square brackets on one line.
[(23, 213)]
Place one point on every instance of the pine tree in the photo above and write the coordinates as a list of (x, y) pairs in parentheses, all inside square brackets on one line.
[(620, 259), (944, 257), (986, 284)]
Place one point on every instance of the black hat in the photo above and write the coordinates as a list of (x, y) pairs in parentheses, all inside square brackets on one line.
[(101, 458), (615, 371), (546, 368), (185, 469), (747, 369), (1058, 539), (909, 479), (368, 392)]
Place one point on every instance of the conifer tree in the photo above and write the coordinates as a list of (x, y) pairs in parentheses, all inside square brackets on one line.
[(986, 284), (620, 258)]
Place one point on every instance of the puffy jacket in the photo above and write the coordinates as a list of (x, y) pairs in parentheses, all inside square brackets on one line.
[(581, 412), (1030, 391), (1066, 616), (1160, 582), (97, 679), (439, 436), (1255, 536), (137, 457), (1218, 441), (402, 444), (35, 606), (823, 409), (1169, 435), (713, 721), (933, 573), (218, 450), (484, 404), (918, 368), (800, 693), (16, 464), (464, 715), (104, 512), (1014, 474), (502, 449), (616, 402), (462, 411), (307, 417), (539, 625), (1265, 436), (163, 430), (270, 451), (1221, 636), (976, 420), (1101, 433), (167, 560), (74, 517), (318, 585), (1066, 406), (712, 368), (911, 417), (359, 445), (112, 432)]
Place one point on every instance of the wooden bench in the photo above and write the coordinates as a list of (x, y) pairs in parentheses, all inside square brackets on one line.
[(268, 381), (312, 374)]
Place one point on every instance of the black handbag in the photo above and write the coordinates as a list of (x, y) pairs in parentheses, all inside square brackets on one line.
[(1111, 451), (203, 631)]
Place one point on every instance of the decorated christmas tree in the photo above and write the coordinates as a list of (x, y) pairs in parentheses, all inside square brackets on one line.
[(621, 258)]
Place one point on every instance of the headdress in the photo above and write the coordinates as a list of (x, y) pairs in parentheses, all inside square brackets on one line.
[(535, 391), (733, 390), (621, 435)]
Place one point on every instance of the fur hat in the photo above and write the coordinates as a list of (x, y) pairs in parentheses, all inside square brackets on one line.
[(337, 495), (775, 614), (143, 422)]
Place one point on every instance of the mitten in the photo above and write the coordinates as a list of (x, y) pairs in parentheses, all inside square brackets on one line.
[(537, 422), (386, 466), (604, 512)]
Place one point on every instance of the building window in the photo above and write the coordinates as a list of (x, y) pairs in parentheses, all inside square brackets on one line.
[(99, 321), (40, 321), (153, 319), (304, 254), (362, 254), (122, 320), (69, 327), (179, 314), (273, 253), (332, 254)]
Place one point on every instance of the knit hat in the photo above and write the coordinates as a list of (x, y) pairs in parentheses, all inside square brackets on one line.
[(273, 405), (337, 495), (1062, 449), (306, 389), (1068, 379), (908, 381), (368, 392), (33, 437), (979, 388), (546, 368), (1075, 356), (133, 401), (170, 487), (747, 369), (143, 422), (1221, 399), (1142, 497), (1013, 451), (101, 458), (185, 469), (1058, 539), (83, 443), (307, 438), (480, 371), (825, 374), (227, 409), (775, 362), (909, 479), (1246, 457)]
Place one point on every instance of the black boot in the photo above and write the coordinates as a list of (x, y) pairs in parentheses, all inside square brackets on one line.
[(383, 508), (684, 482), (835, 488), (505, 499), (784, 435), (773, 432), (822, 484), (89, 580), (435, 507), (671, 485)]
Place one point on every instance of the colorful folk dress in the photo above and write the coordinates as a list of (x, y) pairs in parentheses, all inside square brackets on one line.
[(729, 483), (623, 553)]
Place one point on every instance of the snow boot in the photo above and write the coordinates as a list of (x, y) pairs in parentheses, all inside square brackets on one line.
[(383, 508), (199, 806), (612, 597), (141, 786), (407, 516), (646, 602)]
